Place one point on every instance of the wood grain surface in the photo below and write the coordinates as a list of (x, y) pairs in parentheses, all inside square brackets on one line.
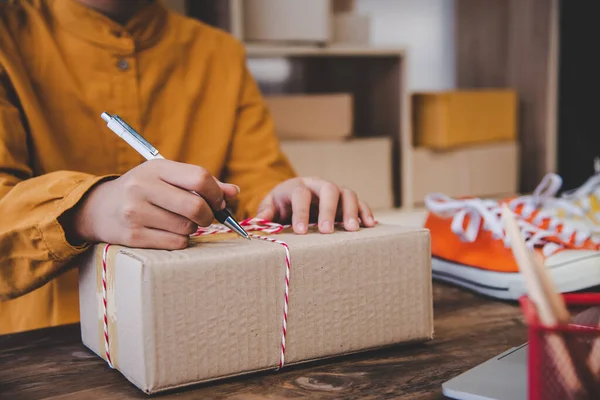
[(53, 364)]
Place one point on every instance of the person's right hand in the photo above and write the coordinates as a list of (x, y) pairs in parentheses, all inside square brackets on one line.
[(151, 206)]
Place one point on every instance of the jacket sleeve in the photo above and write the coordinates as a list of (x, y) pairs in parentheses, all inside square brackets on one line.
[(33, 244), (255, 163)]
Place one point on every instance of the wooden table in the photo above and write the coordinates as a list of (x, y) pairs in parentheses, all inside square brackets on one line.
[(53, 364)]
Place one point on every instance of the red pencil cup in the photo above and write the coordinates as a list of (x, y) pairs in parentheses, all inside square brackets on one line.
[(564, 361)]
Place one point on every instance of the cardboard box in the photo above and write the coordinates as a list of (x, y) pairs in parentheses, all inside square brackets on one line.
[(312, 116), (215, 309), (351, 28), (482, 170), (340, 6), (361, 164), (287, 20), (445, 120)]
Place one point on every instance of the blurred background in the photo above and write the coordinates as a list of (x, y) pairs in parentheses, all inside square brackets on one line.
[(400, 98)]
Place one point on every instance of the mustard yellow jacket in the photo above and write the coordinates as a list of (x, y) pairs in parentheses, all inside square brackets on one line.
[(182, 84)]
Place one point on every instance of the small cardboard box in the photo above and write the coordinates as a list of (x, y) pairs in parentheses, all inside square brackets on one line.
[(340, 6), (351, 28), (312, 116), (304, 21), (445, 120), (215, 309), (479, 170), (361, 164)]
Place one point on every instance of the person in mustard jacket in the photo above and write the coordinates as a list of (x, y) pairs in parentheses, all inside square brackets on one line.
[(67, 181)]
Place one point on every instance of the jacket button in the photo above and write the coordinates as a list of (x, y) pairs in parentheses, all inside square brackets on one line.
[(122, 64)]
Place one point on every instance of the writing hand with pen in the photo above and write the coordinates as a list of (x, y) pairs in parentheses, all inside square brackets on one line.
[(150, 206)]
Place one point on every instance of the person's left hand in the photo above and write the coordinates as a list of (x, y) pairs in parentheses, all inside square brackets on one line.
[(301, 201)]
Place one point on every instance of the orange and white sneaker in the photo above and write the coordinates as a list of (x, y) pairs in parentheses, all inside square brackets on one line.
[(469, 248)]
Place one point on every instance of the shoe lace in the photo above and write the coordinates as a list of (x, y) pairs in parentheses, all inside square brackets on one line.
[(532, 208), (474, 215)]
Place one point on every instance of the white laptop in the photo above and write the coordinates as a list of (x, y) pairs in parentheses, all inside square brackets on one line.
[(503, 377)]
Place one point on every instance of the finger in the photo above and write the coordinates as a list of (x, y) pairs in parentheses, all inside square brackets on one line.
[(155, 239), (350, 210), (329, 196), (230, 191), (301, 197), (193, 178), (159, 218), (315, 185), (182, 202), (266, 209), (148, 215), (366, 215)]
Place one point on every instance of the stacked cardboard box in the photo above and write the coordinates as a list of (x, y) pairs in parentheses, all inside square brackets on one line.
[(301, 21), (305, 22), (364, 165), (466, 142), (349, 26), (486, 170), (448, 120), (317, 135), (312, 117)]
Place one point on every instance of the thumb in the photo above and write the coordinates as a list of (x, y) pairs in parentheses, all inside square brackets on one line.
[(266, 209), (230, 191)]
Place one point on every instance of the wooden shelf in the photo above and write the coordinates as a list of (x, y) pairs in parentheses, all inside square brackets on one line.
[(276, 50), (491, 52), (374, 76), (376, 79)]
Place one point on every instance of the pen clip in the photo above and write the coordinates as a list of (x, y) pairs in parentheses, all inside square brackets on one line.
[(136, 135)]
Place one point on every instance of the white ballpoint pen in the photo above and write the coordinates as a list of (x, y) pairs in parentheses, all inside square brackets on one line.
[(128, 134), (142, 146)]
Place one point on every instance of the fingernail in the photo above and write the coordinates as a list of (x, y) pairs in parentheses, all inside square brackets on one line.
[(236, 188), (370, 220), (223, 204), (301, 227), (327, 226), (352, 223)]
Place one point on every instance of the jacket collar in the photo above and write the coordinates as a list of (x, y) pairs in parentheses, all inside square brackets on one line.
[(145, 27)]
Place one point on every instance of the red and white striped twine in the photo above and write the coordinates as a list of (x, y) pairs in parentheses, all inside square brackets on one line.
[(249, 225), (287, 287), (105, 318)]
